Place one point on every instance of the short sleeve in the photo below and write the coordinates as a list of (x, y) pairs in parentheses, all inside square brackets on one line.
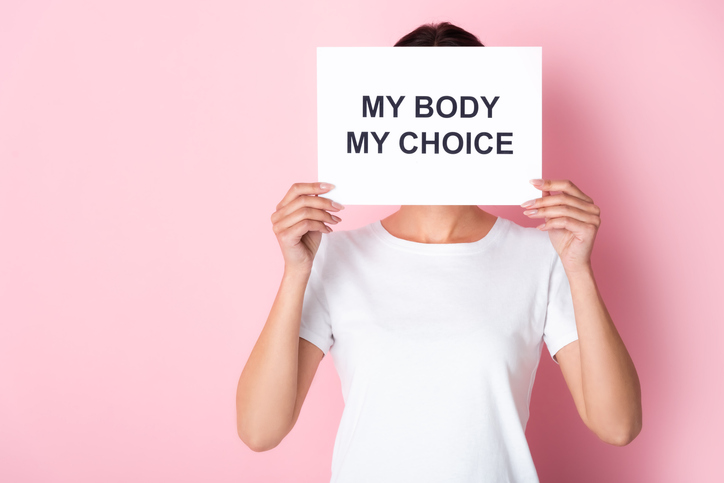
[(316, 325), (560, 324)]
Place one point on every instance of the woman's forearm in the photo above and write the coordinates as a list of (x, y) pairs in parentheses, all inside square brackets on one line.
[(266, 393), (611, 388)]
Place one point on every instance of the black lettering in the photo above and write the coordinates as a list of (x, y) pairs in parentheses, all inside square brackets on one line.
[(501, 142), (418, 106), (454, 107), (395, 105), (352, 139), (462, 106), (402, 142), (425, 142), (379, 141), (490, 106), (477, 140), (366, 104), (460, 142)]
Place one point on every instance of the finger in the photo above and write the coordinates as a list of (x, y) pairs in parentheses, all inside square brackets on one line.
[(301, 214), (319, 202), (565, 186), (294, 233), (566, 211), (580, 229), (563, 199), (298, 189)]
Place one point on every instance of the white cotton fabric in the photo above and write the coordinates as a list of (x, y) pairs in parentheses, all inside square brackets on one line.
[(436, 347)]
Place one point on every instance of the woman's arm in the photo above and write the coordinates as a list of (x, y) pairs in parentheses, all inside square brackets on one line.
[(600, 367), (597, 367), (267, 389), (268, 395)]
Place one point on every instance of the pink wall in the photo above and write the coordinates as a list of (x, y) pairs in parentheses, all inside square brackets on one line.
[(140, 164)]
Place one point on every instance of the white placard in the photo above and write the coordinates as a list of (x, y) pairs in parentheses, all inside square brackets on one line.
[(379, 109)]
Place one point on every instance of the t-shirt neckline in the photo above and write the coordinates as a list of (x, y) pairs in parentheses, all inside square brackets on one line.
[(439, 248)]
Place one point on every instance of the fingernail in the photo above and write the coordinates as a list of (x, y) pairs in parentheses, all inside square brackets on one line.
[(536, 182), (326, 186), (337, 205), (541, 226), (530, 212), (336, 218), (528, 203)]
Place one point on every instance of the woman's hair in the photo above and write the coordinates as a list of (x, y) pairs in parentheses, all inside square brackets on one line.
[(442, 34)]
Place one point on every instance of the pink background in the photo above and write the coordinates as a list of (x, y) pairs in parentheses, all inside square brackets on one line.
[(145, 144)]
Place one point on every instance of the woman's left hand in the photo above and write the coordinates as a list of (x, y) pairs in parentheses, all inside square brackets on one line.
[(571, 220)]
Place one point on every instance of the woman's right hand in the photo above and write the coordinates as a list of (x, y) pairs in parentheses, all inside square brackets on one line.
[(299, 220)]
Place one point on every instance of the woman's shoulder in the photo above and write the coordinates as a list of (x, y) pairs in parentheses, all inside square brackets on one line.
[(345, 240), (339, 248), (528, 238)]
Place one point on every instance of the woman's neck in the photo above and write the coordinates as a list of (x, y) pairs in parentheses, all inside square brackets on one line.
[(439, 223)]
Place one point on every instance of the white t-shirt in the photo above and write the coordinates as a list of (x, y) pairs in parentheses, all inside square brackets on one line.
[(436, 347)]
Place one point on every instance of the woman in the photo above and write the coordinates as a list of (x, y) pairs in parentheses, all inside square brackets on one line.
[(435, 317)]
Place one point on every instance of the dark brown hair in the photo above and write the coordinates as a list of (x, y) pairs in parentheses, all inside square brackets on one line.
[(442, 34)]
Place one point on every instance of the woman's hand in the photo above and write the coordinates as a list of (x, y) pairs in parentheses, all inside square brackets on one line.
[(571, 219), (299, 220)]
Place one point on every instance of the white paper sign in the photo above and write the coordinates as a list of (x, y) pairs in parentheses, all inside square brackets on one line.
[(430, 125)]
